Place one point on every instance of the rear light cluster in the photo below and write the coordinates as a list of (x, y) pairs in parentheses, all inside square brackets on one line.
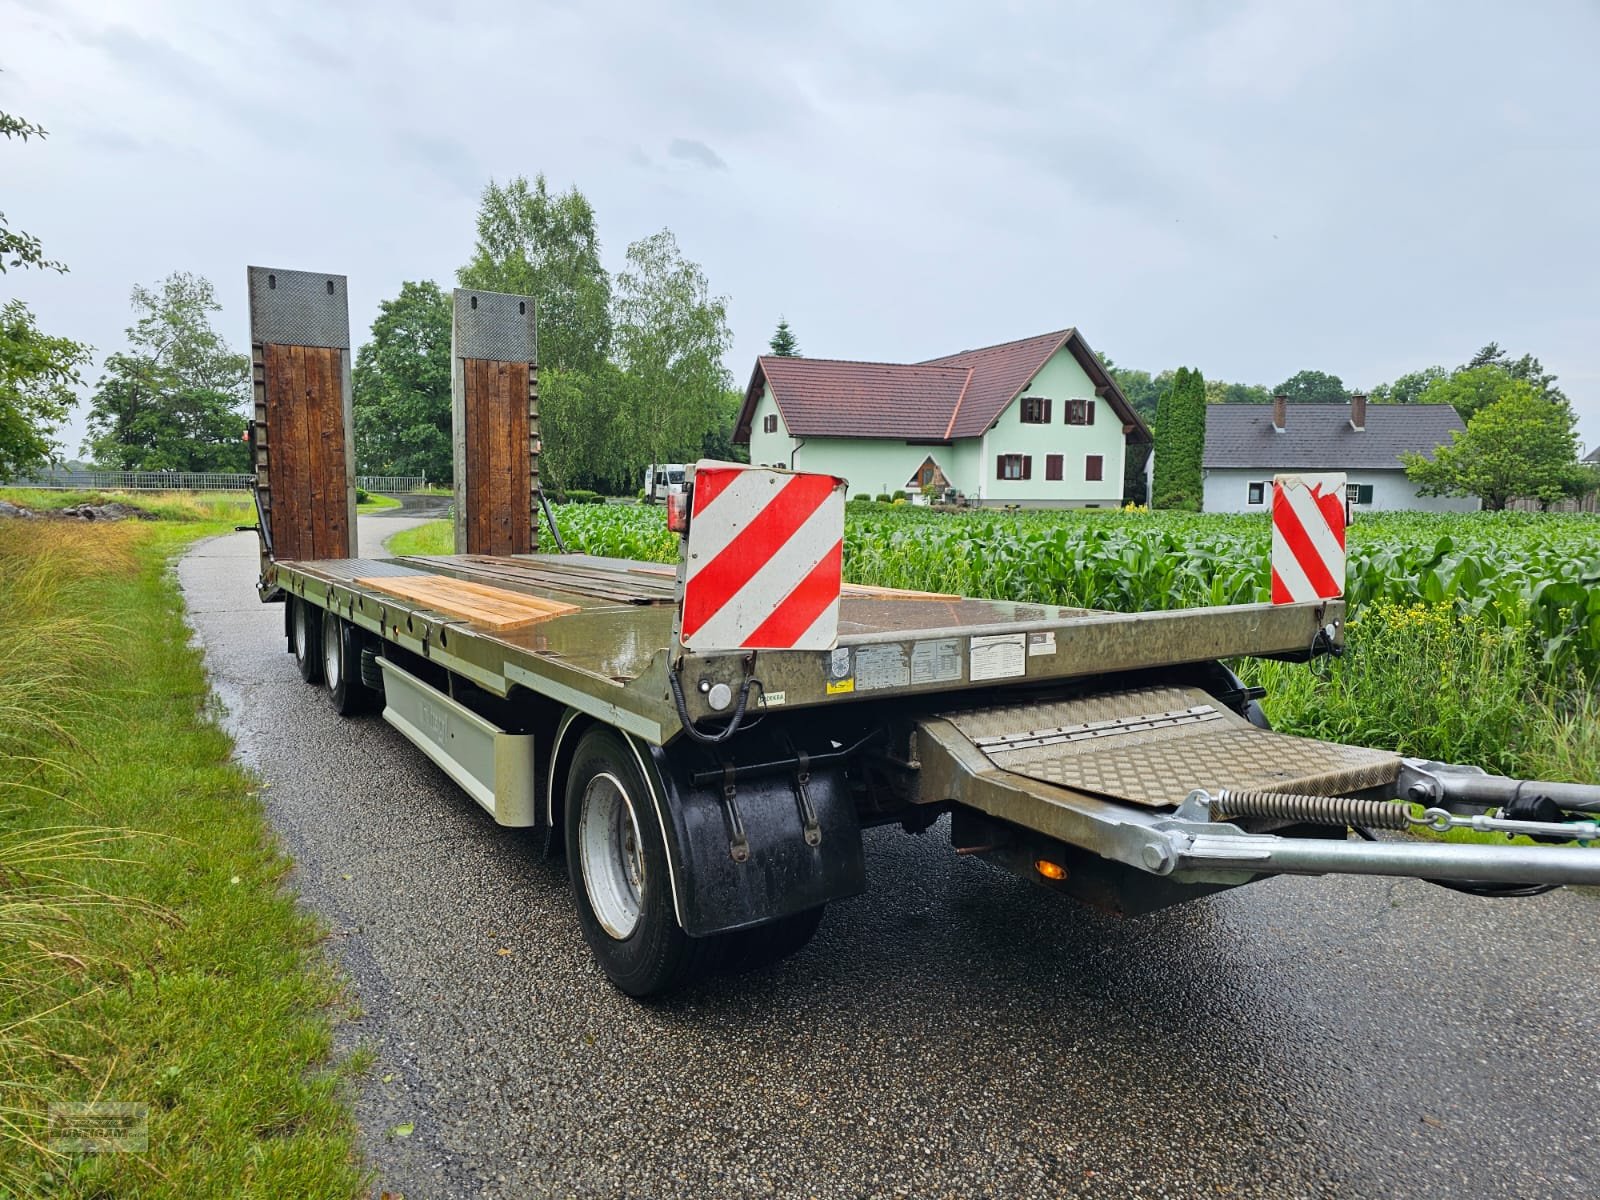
[(678, 511)]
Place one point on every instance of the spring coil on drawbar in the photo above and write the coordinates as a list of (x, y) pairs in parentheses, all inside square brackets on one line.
[(1317, 810)]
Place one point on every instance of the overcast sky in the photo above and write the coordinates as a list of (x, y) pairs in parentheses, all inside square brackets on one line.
[(1250, 188)]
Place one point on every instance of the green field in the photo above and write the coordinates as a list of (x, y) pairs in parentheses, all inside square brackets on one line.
[(1472, 638)]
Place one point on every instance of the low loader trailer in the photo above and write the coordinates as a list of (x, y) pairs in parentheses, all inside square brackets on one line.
[(705, 743)]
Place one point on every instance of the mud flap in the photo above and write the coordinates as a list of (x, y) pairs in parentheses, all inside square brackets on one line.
[(751, 861)]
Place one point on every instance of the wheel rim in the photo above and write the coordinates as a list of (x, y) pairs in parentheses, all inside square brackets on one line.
[(332, 658), (611, 855), (302, 635)]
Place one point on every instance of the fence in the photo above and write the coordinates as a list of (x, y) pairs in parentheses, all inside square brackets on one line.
[(1586, 504), (186, 481)]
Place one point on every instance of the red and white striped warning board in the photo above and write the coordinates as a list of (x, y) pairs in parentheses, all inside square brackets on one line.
[(1307, 538), (762, 568)]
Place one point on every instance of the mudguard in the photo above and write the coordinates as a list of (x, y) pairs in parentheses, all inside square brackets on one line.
[(780, 872)]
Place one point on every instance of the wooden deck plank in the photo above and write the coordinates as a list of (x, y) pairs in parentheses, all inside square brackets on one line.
[(333, 537), (495, 608), (519, 510), (496, 416)]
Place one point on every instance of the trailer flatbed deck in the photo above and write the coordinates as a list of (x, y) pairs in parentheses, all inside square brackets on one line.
[(613, 651)]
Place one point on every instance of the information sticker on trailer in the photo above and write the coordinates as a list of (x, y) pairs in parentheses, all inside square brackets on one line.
[(1308, 555), (998, 656)]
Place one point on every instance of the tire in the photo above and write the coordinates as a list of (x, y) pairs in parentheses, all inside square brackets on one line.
[(305, 635), (341, 667), (617, 865), (776, 940)]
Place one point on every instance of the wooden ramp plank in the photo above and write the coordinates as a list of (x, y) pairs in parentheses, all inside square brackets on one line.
[(493, 607)]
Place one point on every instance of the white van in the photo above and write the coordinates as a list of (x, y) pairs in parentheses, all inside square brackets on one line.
[(668, 481)]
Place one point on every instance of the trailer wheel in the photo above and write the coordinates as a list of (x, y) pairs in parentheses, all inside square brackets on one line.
[(306, 635), (341, 667), (617, 864), (776, 940)]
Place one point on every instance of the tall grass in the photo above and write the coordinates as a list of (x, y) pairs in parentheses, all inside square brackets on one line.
[(48, 642), (147, 952)]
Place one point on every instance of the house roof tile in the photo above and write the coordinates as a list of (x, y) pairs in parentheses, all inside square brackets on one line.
[(822, 397), (999, 373), (1319, 436), (957, 396)]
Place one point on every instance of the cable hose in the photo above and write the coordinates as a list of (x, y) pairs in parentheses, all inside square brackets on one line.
[(1316, 810), (734, 721)]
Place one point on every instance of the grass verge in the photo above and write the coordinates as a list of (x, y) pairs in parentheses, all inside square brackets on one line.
[(432, 537), (150, 955)]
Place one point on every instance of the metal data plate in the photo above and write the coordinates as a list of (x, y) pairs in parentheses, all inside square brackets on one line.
[(1152, 746), (298, 308), (494, 326)]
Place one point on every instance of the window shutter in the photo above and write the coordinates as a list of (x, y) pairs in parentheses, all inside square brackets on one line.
[(1089, 419), (1094, 468), (1052, 467), (1000, 466), (1047, 410), (1027, 466)]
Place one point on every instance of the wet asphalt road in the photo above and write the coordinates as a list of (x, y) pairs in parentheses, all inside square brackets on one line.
[(954, 1032)]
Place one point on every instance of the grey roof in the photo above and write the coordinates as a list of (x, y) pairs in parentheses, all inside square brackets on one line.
[(1318, 436), (1593, 455)]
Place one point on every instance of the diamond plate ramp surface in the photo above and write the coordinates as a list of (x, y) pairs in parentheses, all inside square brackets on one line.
[(1152, 746)]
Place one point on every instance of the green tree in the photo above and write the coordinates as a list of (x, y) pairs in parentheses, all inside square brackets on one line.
[(36, 374), (717, 441), (1312, 387), (783, 343), (1518, 445), (1528, 369), (1470, 390), (1407, 389), (1142, 389), (18, 248), (37, 371), (402, 387), (583, 426), (670, 336), (533, 243), (1180, 443), (173, 401), (1218, 392)]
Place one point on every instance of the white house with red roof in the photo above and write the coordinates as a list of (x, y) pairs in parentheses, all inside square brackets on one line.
[(1036, 422)]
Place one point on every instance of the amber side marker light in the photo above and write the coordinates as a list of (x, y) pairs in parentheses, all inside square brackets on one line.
[(1050, 870)]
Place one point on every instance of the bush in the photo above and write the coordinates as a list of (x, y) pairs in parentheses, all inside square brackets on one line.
[(861, 499), (899, 496), (584, 496), (883, 497), (362, 495)]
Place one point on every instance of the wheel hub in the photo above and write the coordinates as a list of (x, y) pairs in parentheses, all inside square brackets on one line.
[(611, 855), (332, 652)]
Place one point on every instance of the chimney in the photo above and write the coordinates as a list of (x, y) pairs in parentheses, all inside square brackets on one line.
[(1358, 411), (1280, 413)]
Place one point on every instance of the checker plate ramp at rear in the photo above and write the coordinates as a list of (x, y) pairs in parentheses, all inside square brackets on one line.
[(1152, 746)]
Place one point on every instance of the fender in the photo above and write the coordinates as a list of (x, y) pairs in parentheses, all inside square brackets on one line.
[(712, 891)]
